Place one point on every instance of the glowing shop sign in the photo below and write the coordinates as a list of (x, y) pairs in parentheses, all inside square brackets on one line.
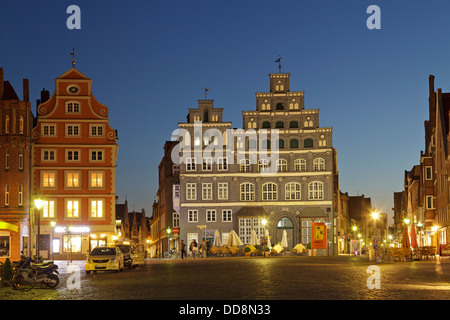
[(72, 229)]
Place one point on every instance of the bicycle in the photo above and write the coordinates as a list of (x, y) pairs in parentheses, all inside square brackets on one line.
[(171, 254), (24, 277)]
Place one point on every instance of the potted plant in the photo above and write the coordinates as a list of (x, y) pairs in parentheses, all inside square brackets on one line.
[(266, 251), (247, 251), (7, 272), (308, 248)]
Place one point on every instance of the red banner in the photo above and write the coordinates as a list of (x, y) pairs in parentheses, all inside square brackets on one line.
[(318, 235)]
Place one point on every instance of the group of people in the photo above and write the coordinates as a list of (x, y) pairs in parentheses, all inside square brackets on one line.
[(193, 247)]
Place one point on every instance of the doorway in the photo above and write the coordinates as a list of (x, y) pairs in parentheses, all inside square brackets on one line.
[(285, 223)]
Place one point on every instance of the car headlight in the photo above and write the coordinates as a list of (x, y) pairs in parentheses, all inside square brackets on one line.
[(113, 260)]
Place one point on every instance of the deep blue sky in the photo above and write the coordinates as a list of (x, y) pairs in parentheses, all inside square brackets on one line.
[(150, 61)]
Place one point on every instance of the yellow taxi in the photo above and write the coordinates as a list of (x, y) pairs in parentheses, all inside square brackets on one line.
[(104, 259)]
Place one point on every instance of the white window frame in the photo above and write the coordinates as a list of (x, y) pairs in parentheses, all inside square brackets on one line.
[(93, 209), (207, 164), (207, 193), (48, 209), (227, 215), (316, 190), (190, 164), (247, 191), (319, 164), (211, 215), (67, 212), (191, 191), (222, 191), (282, 165), (269, 191), (292, 191), (192, 216), (73, 130), (222, 164)]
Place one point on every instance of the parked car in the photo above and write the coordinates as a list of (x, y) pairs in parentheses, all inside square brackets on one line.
[(104, 258), (133, 254)]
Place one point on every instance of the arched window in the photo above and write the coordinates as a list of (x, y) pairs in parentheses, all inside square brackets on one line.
[(244, 165), (263, 165), (7, 124), (285, 223), (319, 164), (300, 165), (280, 144), (279, 124), (292, 191), (266, 124), (21, 125), (20, 159), (293, 143), (247, 191), (293, 124), (308, 143), (265, 144), (281, 165), (315, 190), (279, 106), (269, 191), (7, 159)]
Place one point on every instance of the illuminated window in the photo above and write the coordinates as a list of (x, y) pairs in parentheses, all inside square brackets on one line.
[(48, 208), (72, 243), (7, 124), (7, 195), (97, 207), (96, 179), (21, 125), (73, 179), (20, 200), (72, 208), (48, 179)]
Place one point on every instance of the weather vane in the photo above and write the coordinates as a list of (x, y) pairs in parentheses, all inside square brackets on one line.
[(73, 57), (206, 90), (279, 63)]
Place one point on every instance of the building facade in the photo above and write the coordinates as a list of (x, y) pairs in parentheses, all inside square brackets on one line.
[(73, 170), (16, 123), (280, 167)]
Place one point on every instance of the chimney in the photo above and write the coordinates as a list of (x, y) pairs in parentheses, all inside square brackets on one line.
[(45, 95), (1, 83), (26, 90)]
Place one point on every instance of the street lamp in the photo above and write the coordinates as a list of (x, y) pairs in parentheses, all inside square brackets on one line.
[(53, 224), (38, 203), (168, 240)]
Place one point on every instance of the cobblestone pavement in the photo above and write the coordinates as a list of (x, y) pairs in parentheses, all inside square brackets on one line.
[(254, 278)]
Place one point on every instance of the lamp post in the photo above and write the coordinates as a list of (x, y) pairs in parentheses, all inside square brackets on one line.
[(38, 203), (168, 241), (53, 224)]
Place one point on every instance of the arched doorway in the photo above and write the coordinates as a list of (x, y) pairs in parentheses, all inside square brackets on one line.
[(285, 223)]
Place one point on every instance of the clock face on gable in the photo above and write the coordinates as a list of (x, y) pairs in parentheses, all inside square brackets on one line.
[(73, 89)]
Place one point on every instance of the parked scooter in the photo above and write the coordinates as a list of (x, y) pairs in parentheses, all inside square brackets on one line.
[(44, 273)]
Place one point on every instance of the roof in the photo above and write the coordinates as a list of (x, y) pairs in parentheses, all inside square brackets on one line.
[(8, 92)]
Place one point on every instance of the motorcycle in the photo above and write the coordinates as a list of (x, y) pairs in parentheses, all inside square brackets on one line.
[(30, 273)]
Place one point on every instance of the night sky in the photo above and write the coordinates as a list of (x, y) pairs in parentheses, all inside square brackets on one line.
[(151, 60)]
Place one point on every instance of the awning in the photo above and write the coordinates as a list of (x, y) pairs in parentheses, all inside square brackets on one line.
[(252, 212), (8, 226)]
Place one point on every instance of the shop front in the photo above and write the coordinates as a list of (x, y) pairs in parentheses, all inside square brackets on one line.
[(74, 242)]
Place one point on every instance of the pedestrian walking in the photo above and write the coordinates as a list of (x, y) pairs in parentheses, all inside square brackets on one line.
[(208, 246), (183, 249), (193, 248)]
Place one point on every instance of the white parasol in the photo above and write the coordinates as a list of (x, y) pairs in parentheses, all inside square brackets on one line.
[(284, 241), (254, 239), (233, 240), (217, 241), (266, 234)]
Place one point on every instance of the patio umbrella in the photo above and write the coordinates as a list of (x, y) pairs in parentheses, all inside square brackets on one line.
[(254, 239), (413, 237), (405, 237), (233, 240), (284, 241), (217, 241)]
